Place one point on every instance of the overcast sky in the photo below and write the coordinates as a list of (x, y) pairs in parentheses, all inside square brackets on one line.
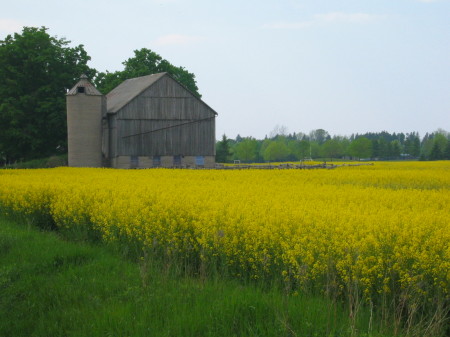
[(348, 66)]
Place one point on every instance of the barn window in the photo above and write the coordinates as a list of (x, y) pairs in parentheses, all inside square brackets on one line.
[(177, 161), (156, 161), (80, 90), (200, 161), (134, 161)]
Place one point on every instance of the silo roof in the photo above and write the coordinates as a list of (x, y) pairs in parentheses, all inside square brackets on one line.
[(89, 88), (129, 89)]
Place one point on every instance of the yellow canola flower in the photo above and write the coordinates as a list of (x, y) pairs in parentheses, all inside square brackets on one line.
[(383, 228)]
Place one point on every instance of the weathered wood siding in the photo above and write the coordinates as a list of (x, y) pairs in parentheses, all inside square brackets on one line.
[(165, 119)]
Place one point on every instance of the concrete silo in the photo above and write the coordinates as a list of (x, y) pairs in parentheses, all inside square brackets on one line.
[(85, 108)]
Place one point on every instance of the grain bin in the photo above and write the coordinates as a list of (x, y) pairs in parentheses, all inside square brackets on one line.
[(85, 108)]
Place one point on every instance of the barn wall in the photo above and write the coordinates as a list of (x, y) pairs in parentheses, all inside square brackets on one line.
[(110, 150), (165, 120), (141, 162)]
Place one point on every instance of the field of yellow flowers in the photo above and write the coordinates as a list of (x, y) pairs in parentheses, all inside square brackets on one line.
[(380, 231)]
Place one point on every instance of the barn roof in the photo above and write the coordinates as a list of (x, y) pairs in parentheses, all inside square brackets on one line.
[(129, 89), (89, 88)]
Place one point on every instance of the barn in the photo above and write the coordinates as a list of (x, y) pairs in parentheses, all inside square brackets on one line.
[(145, 122)]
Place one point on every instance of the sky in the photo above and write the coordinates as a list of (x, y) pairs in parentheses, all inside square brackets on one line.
[(349, 66)]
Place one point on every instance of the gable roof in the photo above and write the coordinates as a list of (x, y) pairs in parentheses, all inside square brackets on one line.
[(89, 88), (129, 89)]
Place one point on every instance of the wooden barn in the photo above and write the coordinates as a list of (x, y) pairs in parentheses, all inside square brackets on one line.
[(149, 121)]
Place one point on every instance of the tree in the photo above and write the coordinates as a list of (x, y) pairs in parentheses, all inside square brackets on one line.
[(246, 150), (319, 135), (145, 62), (396, 149), (440, 138), (223, 151), (332, 148), (436, 153), (304, 149), (278, 130), (447, 150), (361, 148), (276, 151), (426, 146), (36, 70), (412, 144)]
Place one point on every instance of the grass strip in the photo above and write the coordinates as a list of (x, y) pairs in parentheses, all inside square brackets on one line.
[(51, 287)]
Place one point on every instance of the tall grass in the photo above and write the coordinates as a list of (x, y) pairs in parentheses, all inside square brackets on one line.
[(52, 287)]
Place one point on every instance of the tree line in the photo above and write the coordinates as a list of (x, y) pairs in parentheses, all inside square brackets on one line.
[(37, 70), (319, 144)]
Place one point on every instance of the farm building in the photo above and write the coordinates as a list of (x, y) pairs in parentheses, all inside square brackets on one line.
[(149, 121)]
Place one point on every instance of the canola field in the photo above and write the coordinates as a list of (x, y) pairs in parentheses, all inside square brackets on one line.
[(381, 230)]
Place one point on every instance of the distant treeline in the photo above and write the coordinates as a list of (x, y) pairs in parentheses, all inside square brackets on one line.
[(319, 144)]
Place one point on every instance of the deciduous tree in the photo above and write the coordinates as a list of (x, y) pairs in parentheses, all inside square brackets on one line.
[(145, 62), (36, 70), (246, 150), (361, 148)]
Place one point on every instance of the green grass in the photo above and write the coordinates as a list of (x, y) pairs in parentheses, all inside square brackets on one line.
[(52, 287)]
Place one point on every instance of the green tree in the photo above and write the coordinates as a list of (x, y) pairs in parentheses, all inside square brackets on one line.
[(223, 151), (426, 146), (304, 149), (294, 149), (440, 138), (332, 149), (396, 149), (36, 70), (436, 153), (412, 144), (319, 136), (145, 62), (447, 150), (246, 150), (383, 148), (276, 151), (361, 148), (315, 149)]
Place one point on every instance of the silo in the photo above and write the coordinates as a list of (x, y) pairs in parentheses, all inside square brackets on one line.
[(85, 108)]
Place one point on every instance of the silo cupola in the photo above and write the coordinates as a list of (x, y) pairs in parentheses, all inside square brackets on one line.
[(84, 87)]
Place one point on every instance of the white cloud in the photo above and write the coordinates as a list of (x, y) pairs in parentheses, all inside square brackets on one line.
[(8, 26), (177, 39), (328, 18)]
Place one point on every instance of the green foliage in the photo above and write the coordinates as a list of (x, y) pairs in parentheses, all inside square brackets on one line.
[(55, 287), (332, 148), (246, 150), (447, 150), (436, 153), (145, 62), (412, 144), (320, 145), (223, 150), (434, 146), (53, 161), (36, 71), (320, 136), (276, 150), (361, 148)]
